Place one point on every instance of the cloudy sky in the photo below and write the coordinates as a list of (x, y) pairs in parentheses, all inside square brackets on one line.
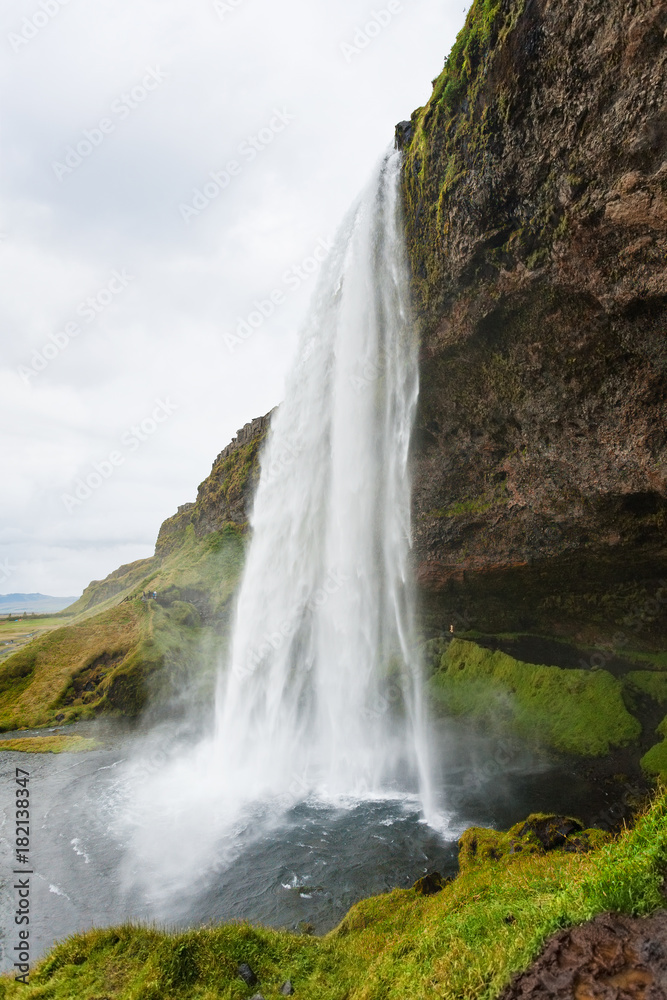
[(166, 163)]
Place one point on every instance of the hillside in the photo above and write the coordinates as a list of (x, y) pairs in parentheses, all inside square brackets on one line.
[(119, 650), (535, 192)]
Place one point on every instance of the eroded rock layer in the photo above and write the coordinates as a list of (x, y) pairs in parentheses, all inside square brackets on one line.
[(536, 210)]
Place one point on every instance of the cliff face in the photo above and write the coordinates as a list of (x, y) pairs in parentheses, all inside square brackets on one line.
[(225, 497), (535, 186)]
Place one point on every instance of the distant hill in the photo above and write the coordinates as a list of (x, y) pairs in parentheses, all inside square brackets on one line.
[(11, 604)]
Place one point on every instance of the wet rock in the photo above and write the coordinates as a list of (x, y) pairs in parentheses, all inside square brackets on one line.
[(257, 996), (428, 885), (403, 134), (541, 287), (551, 831), (611, 958), (59, 718), (247, 975), (287, 990)]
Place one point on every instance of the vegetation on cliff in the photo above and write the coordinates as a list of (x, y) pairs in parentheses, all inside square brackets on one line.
[(465, 941), (576, 711), (120, 651), (535, 194)]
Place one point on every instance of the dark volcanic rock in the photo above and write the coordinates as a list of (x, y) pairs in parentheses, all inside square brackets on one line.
[(430, 884), (551, 831), (247, 975), (226, 496), (536, 212), (403, 134), (611, 958)]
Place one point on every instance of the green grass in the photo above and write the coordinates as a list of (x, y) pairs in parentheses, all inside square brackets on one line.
[(465, 942), (574, 711), (49, 744), (129, 651)]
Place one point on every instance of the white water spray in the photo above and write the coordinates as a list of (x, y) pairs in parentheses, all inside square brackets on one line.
[(323, 689)]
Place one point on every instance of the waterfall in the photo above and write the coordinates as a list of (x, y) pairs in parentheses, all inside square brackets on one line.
[(319, 703), (322, 691)]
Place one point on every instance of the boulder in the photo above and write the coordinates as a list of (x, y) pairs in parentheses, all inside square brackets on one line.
[(247, 975)]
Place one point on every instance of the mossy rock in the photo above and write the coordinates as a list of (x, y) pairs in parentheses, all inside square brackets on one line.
[(539, 834), (429, 885), (654, 763)]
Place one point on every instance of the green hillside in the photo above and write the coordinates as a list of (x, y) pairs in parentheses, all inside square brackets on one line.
[(118, 647)]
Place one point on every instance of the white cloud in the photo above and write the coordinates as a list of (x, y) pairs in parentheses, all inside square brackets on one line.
[(164, 335)]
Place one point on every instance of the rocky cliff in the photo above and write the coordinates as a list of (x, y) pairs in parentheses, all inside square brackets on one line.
[(226, 496), (535, 184)]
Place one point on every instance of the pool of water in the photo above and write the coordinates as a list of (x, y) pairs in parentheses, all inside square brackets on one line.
[(305, 866)]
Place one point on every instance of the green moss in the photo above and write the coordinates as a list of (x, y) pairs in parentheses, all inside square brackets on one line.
[(654, 762), (474, 505), (540, 832), (574, 711), (654, 661), (466, 941), (49, 744)]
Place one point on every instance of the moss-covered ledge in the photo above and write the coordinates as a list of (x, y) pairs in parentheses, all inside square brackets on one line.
[(579, 712)]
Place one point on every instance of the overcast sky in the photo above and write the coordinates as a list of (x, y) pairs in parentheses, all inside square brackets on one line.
[(123, 288)]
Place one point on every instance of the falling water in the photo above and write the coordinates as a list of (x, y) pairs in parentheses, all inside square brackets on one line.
[(319, 704), (322, 692)]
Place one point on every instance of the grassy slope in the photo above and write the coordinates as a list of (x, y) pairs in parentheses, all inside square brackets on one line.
[(116, 650), (466, 941)]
